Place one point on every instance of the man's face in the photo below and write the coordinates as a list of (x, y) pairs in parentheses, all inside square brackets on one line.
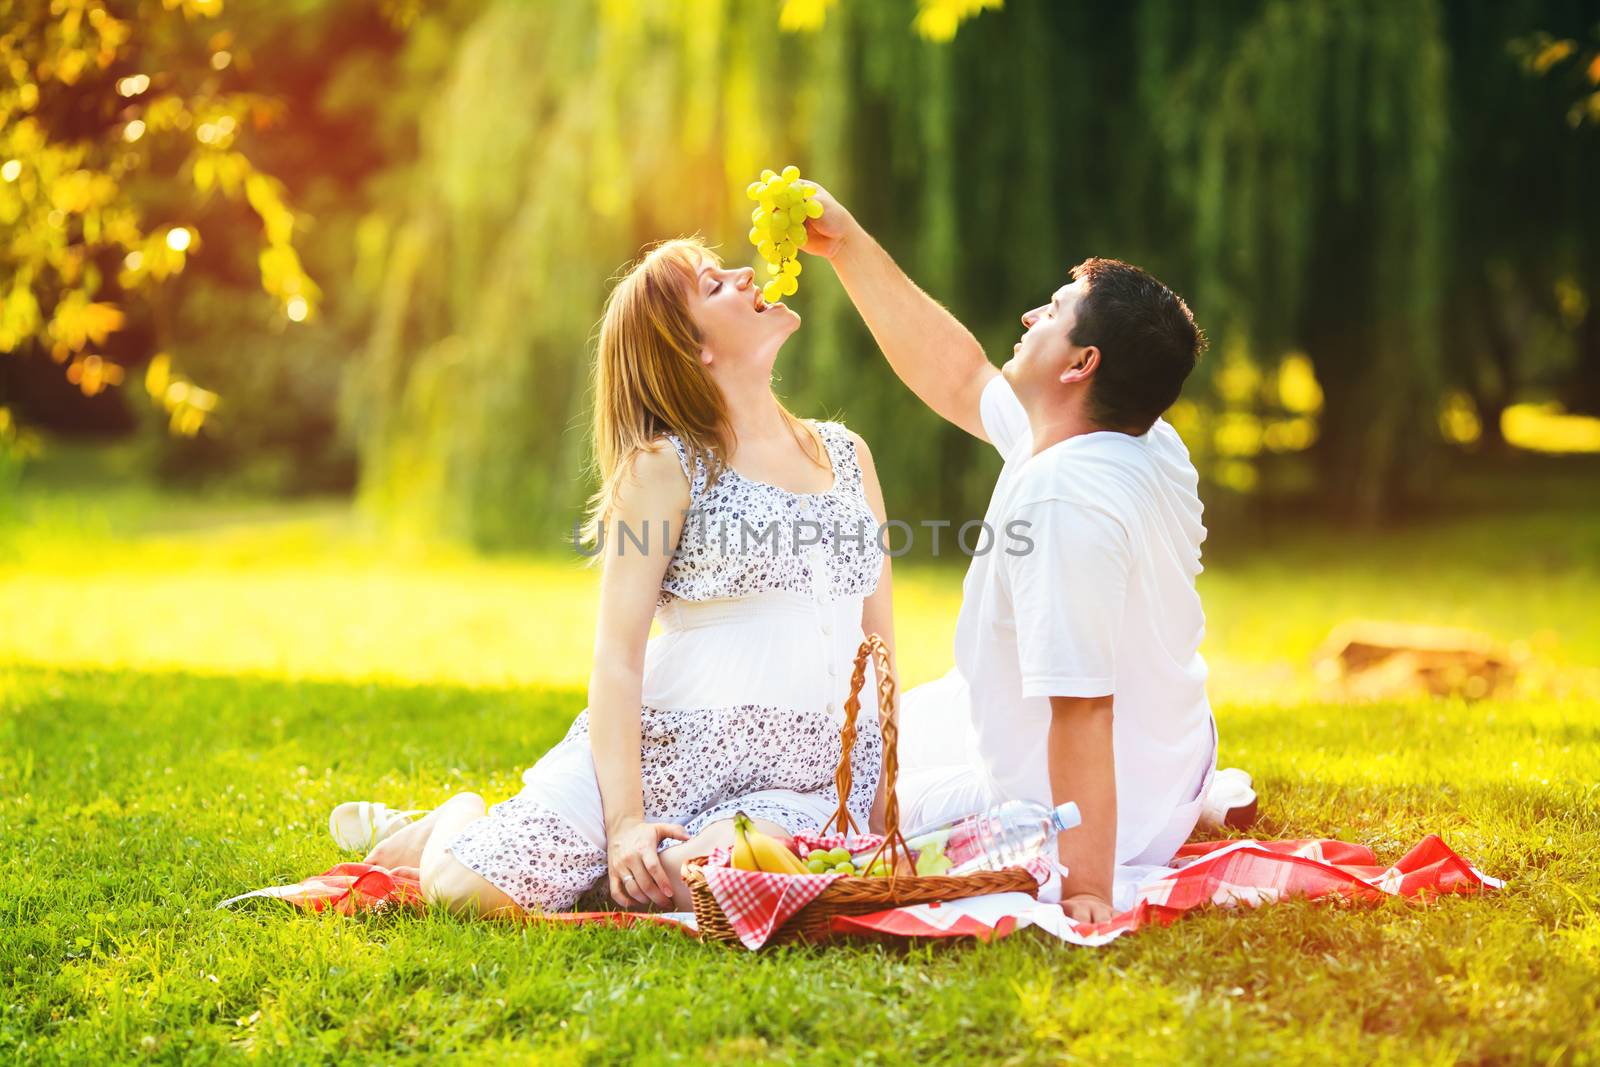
[(1045, 349)]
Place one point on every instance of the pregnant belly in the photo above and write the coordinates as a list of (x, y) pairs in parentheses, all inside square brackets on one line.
[(796, 660)]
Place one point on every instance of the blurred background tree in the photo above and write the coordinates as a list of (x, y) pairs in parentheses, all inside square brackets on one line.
[(98, 105), (1382, 212)]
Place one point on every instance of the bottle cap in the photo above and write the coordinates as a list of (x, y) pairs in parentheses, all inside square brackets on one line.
[(1066, 816)]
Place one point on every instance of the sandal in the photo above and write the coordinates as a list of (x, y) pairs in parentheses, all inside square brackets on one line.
[(358, 825)]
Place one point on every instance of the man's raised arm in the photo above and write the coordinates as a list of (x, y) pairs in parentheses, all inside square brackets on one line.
[(936, 356)]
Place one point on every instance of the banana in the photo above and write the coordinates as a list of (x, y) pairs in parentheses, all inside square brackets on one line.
[(742, 857), (756, 851)]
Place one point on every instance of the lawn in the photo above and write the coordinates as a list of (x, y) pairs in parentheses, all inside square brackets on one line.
[(187, 685)]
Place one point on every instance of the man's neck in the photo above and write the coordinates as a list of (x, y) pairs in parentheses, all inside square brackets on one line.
[(1051, 428)]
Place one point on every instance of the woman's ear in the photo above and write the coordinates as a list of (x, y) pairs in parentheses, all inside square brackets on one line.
[(705, 356)]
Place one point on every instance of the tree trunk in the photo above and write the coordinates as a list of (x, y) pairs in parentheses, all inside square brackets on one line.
[(1583, 395)]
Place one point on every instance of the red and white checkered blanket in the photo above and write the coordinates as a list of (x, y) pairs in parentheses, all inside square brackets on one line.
[(1226, 873), (757, 903)]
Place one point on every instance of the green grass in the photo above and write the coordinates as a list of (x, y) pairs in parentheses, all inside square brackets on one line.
[(187, 686)]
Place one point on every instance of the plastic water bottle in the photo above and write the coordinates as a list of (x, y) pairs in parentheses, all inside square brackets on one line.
[(1007, 835)]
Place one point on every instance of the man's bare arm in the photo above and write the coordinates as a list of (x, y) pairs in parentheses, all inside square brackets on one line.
[(938, 358), (1083, 770)]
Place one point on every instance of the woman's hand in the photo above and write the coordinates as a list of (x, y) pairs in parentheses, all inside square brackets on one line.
[(825, 236), (634, 864)]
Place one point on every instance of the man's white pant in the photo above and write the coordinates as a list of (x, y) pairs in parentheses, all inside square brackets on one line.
[(941, 780)]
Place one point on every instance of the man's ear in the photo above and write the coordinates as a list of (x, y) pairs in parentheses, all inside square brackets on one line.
[(1083, 368)]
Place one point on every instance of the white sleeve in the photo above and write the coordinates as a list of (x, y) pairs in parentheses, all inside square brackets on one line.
[(1001, 412), (1166, 438), (1068, 593)]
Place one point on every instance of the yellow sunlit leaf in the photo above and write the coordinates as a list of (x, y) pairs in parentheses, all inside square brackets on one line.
[(81, 190), (157, 374), (938, 20), (195, 8), (92, 375), (1238, 380), (70, 66), (1238, 475), (1298, 390), (77, 322), (19, 316), (936, 23), (1184, 416), (1290, 435), (1458, 418), (205, 172), (187, 421), (804, 16), (1548, 428), (1551, 54), (102, 320), (1238, 434), (1572, 301)]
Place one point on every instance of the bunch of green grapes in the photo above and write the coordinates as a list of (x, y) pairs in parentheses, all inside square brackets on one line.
[(778, 227), (839, 861)]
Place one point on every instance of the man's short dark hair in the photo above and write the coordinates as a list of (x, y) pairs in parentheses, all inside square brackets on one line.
[(1147, 338)]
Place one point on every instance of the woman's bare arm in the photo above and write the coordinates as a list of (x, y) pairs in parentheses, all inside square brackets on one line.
[(651, 504)]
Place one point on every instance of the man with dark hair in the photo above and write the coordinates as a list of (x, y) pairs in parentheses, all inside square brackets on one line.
[(1078, 675)]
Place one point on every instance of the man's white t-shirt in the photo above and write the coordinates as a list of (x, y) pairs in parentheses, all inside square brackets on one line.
[(1103, 602)]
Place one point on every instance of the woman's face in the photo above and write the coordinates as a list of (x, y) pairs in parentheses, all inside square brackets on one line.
[(737, 328)]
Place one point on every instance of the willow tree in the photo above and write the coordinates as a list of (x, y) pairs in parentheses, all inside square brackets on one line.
[(1278, 162), (1307, 141), (567, 137)]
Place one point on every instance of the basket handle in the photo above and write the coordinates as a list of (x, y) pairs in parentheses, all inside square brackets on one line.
[(843, 821)]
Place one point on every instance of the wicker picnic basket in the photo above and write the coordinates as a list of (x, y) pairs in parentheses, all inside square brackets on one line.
[(861, 895)]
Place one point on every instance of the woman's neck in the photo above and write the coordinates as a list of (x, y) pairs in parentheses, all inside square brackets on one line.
[(754, 414)]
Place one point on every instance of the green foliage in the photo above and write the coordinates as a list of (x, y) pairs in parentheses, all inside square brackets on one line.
[(97, 100), (1324, 180), (632, 123), (1286, 165), (1308, 143)]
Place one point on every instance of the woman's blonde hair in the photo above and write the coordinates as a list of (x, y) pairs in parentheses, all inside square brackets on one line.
[(649, 381)]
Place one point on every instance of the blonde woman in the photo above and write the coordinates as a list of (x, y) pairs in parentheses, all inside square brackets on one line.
[(751, 536)]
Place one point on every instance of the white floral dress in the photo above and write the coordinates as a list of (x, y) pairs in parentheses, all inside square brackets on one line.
[(743, 691)]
